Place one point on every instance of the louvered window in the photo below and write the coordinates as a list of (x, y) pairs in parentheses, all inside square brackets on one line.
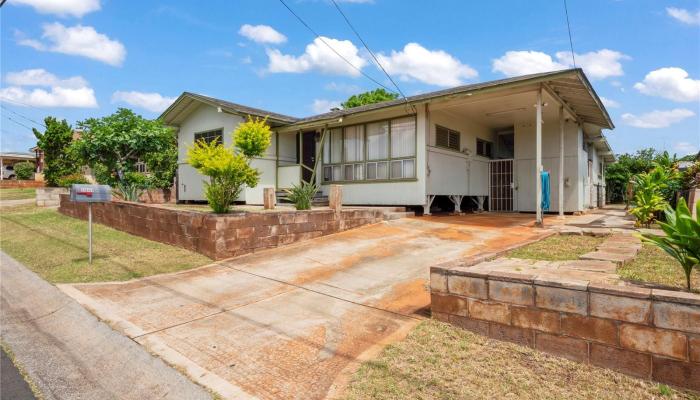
[(447, 138)]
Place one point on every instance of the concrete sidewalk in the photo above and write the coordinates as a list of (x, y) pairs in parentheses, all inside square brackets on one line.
[(69, 354)]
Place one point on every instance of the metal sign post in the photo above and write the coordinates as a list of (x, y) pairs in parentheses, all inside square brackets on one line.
[(90, 194)]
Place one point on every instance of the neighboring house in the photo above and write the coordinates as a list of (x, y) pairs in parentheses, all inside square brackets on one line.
[(9, 159), (473, 141)]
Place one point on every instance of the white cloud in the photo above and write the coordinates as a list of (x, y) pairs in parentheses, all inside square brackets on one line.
[(657, 118), (154, 102), (318, 56), (435, 67), (610, 103), (515, 63), (684, 16), (684, 148), (70, 92), (76, 8), (597, 64), (41, 77), (79, 40), (262, 34), (321, 106), (670, 83)]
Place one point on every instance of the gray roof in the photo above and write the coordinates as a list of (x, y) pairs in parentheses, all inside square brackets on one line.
[(570, 85)]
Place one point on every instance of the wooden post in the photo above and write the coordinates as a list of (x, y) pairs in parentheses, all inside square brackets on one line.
[(561, 161), (269, 198), (335, 198), (538, 159)]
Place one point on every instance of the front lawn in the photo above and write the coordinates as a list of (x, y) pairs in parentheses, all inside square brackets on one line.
[(653, 265), (558, 248), (17, 194), (55, 247), (439, 361)]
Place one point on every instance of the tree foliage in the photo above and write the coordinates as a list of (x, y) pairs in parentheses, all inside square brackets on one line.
[(228, 168), (113, 145), (648, 195), (620, 173), (55, 142), (374, 96)]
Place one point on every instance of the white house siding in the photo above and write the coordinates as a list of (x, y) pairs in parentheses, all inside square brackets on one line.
[(206, 118), (388, 193), (453, 172), (525, 165)]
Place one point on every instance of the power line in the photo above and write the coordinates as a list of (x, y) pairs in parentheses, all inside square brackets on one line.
[(19, 103), (367, 47), (568, 26), (331, 47), (19, 123), (22, 116)]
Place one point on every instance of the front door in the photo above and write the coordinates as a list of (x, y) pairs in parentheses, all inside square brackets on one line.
[(308, 155), (501, 185)]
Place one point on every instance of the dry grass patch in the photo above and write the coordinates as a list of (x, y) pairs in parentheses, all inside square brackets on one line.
[(55, 247), (558, 248), (652, 265), (439, 361), (17, 194)]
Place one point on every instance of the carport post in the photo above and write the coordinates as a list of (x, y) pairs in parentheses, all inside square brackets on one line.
[(561, 161), (538, 160)]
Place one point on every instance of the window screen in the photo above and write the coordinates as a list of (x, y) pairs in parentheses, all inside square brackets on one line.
[(447, 138), (403, 137), (378, 140), (354, 143), (484, 148)]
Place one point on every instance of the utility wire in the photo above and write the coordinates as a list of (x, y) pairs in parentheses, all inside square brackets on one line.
[(19, 103), (376, 60), (22, 116), (19, 123), (568, 26), (331, 47)]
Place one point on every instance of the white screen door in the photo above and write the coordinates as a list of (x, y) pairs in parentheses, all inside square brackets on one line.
[(501, 185)]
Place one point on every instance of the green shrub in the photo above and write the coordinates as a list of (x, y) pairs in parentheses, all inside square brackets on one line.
[(229, 169), (302, 195), (24, 170), (69, 180), (649, 195), (682, 240)]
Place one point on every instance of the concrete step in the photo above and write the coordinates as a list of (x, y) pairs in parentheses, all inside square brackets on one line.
[(392, 215)]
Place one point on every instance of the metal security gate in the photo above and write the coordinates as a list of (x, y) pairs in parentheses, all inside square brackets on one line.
[(501, 185)]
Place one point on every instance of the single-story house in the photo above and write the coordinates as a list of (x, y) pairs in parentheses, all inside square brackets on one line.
[(485, 141)]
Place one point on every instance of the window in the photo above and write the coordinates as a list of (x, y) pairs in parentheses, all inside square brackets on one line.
[(374, 151), (484, 148), (447, 138), (214, 135)]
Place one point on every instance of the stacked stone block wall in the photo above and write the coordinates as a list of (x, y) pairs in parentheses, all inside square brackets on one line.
[(647, 333), (220, 236)]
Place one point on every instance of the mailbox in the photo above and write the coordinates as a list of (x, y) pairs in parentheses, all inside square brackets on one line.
[(90, 193)]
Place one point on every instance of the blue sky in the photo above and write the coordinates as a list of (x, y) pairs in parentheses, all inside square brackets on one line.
[(84, 58)]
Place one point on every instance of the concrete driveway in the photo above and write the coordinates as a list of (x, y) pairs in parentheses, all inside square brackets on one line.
[(294, 322)]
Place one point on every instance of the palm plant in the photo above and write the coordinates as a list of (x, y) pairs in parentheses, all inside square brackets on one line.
[(682, 240), (648, 196)]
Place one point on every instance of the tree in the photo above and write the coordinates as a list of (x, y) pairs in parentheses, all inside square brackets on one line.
[(229, 169), (618, 174), (55, 142), (115, 143), (371, 97)]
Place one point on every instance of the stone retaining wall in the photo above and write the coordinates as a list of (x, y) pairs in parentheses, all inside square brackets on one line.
[(49, 196), (17, 184), (220, 236), (648, 333)]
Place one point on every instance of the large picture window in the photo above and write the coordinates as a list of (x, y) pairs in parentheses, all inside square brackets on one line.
[(382, 150)]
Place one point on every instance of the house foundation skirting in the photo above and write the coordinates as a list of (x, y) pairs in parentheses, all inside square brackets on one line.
[(220, 236)]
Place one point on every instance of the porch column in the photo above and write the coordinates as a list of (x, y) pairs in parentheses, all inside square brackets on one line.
[(538, 160), (561, 161)]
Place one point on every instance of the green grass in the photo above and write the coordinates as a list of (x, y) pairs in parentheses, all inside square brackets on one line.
[(55, 247), (558, 248), (439, 361), (653, 265), (17, 194)]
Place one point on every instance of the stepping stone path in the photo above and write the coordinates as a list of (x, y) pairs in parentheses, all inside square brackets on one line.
[(618, 248)]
